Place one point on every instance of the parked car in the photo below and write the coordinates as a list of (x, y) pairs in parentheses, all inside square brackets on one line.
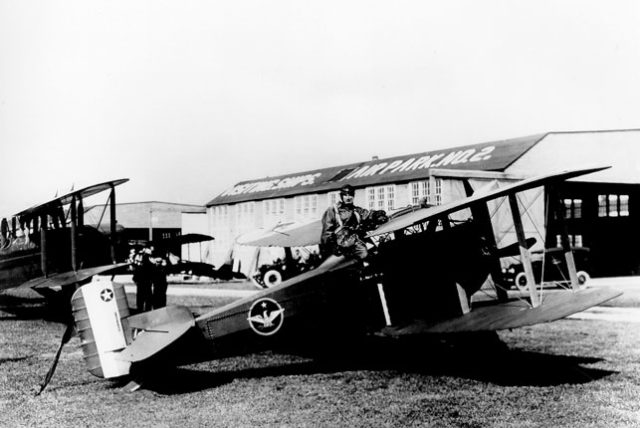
[(272, 274), (555, 271)]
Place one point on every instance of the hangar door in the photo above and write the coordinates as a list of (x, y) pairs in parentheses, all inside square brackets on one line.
[(605, 218)]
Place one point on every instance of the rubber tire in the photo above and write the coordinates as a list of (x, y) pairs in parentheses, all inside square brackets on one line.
[(258, 281), (521, 282), (583, 277), (271, 278)]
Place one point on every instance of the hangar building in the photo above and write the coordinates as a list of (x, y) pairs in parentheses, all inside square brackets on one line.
[(144, 221), (602, 209)]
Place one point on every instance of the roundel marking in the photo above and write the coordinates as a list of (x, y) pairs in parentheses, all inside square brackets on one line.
[(265, 316), (106, 295)]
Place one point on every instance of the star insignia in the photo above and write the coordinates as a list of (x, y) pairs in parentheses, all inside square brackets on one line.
[(106, 295)]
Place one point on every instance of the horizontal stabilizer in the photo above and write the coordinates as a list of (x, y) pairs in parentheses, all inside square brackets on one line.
[(156, 330), (513, 314)]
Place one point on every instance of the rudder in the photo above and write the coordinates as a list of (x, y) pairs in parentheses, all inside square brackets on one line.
[(98, 309)]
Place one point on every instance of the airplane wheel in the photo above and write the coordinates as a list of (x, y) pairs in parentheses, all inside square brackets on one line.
[(272, 278), (258, 281), (583, 277), (521, 282)]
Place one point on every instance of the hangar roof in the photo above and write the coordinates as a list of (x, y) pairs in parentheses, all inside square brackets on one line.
[(490, 156), (139, 215), (618, 148)]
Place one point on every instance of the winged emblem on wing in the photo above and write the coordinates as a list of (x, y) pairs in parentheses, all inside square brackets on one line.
[(265, 316)]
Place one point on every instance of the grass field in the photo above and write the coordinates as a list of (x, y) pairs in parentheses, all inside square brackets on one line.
[(572, 373)]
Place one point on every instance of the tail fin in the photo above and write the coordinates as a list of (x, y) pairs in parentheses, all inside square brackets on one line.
[(106, 330), (98, 309)]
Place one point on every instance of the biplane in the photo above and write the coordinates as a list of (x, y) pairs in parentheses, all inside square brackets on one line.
[(423, 273), (304, 238), (178, 266), (48, 247)]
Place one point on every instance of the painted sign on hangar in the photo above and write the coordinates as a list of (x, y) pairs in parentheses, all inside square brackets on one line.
[(493, 156)]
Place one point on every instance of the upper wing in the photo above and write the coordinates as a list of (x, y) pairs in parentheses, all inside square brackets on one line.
[(287, 235), (66, 199), (512, 314), (187, 238), (423, 214)]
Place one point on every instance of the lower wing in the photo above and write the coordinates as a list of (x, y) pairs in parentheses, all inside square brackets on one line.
[(63, 279), (512, 314)]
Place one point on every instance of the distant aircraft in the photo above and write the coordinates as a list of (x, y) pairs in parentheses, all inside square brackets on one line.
[(287, 236), (421, 279), (188, 267), (47, 248)]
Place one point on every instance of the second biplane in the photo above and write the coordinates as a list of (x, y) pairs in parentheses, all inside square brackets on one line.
[(421, 279), (48, 247)]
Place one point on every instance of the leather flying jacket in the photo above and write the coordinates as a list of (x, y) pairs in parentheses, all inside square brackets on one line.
[(338, 217)]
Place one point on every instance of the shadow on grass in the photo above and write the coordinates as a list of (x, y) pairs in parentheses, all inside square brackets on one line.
[(16, 308), (12, 360), (491, 363)]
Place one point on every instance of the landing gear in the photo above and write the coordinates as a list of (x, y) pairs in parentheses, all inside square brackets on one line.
[(269, 279), (521, 282), (523, 285), (583, 277)]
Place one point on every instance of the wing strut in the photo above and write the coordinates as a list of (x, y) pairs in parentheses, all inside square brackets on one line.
[(383, 302), (480, 212), (112, 221), (464, 299), (74, 234), (80, 211), (44, 225), (525, 256)]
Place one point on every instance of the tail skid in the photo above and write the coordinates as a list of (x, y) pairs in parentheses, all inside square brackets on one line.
[(111, 339)]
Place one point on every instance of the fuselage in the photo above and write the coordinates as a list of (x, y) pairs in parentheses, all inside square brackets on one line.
[(22, 259)]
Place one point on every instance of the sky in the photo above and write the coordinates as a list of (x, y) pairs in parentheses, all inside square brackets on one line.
[(187, 98)]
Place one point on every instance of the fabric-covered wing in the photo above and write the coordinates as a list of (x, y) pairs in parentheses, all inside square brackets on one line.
[(187, 238), (288, 235), (512, 314), (69, 278), (67, 198), (424, 214)]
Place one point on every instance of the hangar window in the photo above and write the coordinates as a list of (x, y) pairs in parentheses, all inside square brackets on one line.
[(435, 197), (221, 214), (419, 191), (427, 190), (572, 208), (574, 240), (220, 224), (306, 207), (333, 198), (613, 205), (245, 217), (273, 211), (624, 205), (381, 197)]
